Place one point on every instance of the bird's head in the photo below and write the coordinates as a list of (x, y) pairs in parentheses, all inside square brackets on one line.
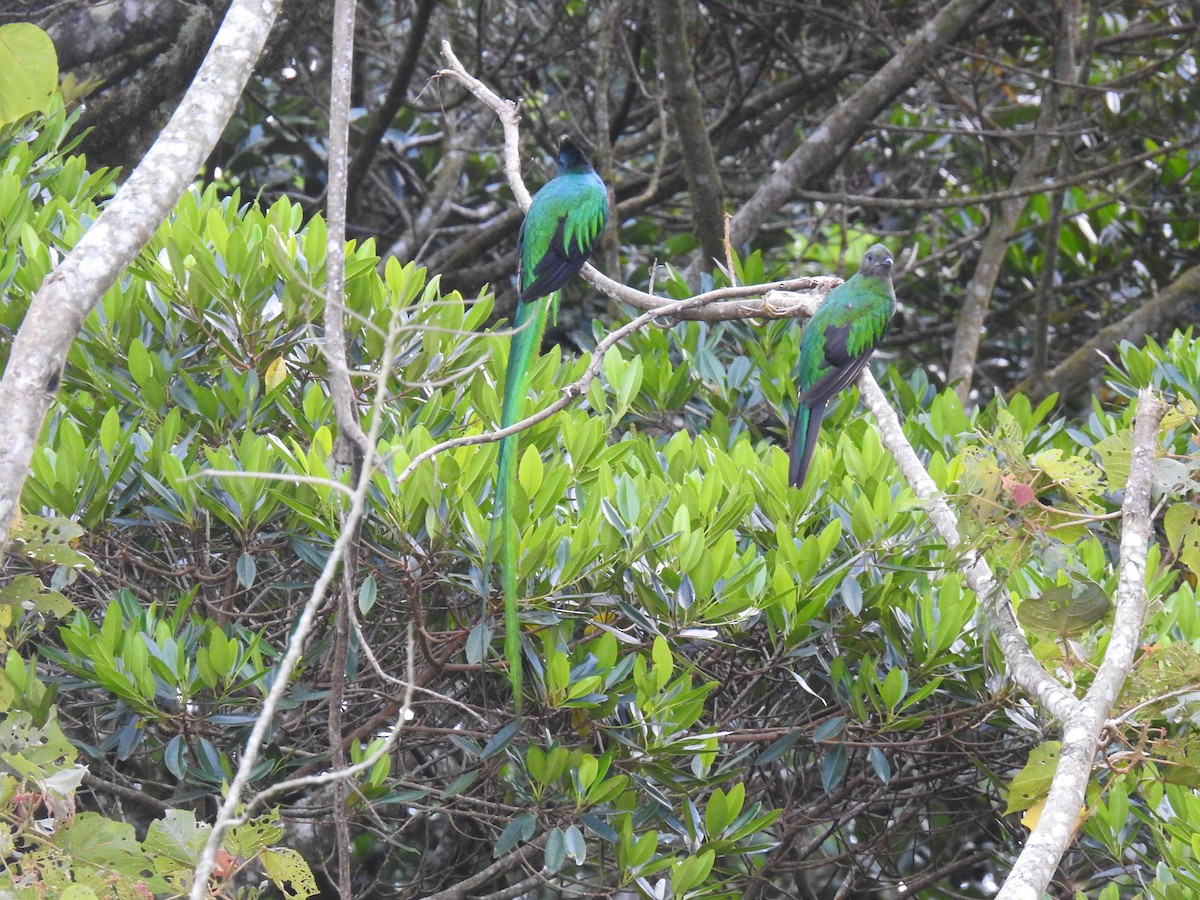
[(876, 262), (570, 157)]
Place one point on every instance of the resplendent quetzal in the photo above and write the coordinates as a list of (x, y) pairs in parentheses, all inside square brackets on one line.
[(837, 342), (563, 226)]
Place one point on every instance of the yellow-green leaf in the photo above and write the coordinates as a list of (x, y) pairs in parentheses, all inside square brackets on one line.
[(290, 873), (276, 374), (1114, 452), (1032, 783), (1182, 525), (28, 70)]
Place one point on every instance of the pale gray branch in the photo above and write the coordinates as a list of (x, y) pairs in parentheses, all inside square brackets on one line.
[(1059, 820), (1023, 667), (351, 441), (130, 219), (226, 816), (745, 302)]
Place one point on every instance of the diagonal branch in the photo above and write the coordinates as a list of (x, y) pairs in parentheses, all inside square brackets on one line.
[(969, 331), (226, 815), (1023, 666), (822, 149), (1081, 730), (130, 219), (1172, 307), (719, 305)]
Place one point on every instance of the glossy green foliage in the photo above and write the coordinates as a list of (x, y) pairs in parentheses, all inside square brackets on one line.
[(718, 664)]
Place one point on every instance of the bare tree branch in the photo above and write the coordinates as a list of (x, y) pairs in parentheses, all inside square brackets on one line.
[(1170, 308), (350, 448), (226, 816), (1059, 820), (351, 441), (823, 147), (393, 100), (1055, 94), (687, 114)]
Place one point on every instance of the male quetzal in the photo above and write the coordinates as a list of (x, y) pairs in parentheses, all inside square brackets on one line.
[(837, 342), (563, 225)]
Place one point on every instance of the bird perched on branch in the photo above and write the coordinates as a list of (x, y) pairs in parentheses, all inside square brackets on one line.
[(837, 342), (563, 226)]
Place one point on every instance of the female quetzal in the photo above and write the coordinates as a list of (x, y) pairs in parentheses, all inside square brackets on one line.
[(563, 225), (837, 342)]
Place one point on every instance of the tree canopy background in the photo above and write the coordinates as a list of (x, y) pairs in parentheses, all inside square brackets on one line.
[(742, 689)]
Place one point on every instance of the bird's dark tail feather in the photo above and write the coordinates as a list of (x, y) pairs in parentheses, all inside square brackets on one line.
[(804, 441)]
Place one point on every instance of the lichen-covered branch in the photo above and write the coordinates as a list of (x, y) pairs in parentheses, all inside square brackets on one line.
[(130, 219), (1056, 826)]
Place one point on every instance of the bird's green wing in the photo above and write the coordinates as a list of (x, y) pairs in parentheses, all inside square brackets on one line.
[(559, 235), (835, 346)]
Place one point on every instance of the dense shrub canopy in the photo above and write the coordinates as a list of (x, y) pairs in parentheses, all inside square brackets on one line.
[(736, 688)]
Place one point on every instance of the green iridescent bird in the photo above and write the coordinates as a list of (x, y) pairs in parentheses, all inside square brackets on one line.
[(563, 226), (837, 342)]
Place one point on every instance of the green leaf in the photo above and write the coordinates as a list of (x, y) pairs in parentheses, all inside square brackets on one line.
[(894, 687), (289, 872), (1181, 522), (501, 740), (1032, 783), (478, 642), (529, 471), (367, 593), (28, 70), (829, 729), (664, 662), (1065, 610), (879, 762), (833, 767), (1076, 476), (27, 592), (575, 845), (519, 829), (555, 853), (461, 783), (247, 569), (723, 808), (1115, 452), (178, 836), (110, 430), (175, 757), (778, 749), (276, 373)]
